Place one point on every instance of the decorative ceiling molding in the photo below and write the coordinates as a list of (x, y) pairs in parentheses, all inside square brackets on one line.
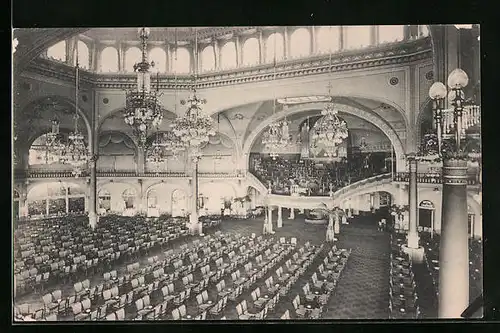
[(401, 53)]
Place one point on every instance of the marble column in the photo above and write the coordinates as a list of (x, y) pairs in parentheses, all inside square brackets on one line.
[(141, 160), (195, 226), (280, 217), (292, 214), (336, 223), (413, 203), (454, 246), (270, 219), (92, 204)]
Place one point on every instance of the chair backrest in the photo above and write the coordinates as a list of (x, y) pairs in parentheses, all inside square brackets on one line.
[(293, 241), (314, 277), (205, 295), (111, 316), (106, 294), (78, 287), (86, 304), (51, 317), (199, 299), (113, 274), (86, 283), (146, 300), (120, 314), (239, 309), (76, 308), (107, 276), (139, 304), (305, 288), (254, 295), (286, 315), (182, 310), (47, 299), (171, 288), (282, 240)]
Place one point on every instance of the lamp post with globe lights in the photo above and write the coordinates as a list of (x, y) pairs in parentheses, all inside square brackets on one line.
[(452, 123)]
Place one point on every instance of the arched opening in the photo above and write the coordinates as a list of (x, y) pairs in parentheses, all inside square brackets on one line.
[(275, 47), (109, 60), (251, 52), (55, 198), (300, 43), (57, 51), (83, 55), (208, 59), (129, 199), (181, 63), (179, 203), (152, 204), (228, 55), (104, 198), (426, 212), (132, 56), (159, 56)]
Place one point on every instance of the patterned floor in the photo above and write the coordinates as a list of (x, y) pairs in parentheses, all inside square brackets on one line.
[(362, 292), (363, 289)]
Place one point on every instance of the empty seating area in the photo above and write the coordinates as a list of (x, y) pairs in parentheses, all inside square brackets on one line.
[(403, 298), (140, 274), (431, 246)]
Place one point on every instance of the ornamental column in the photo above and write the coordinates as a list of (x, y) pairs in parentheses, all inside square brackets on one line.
[(413, 203), (141, 156), (454, 246), (270, 219), (292, 214), (336, 225), (195, 227), (280, 218), (92, 204)]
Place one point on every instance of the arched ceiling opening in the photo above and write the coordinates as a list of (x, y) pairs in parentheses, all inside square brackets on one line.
[(36, 118)]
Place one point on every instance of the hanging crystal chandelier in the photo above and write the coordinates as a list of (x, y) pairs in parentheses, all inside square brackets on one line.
[(156, 153), (143, 110), (277, 137), (272, 140), (330, 131), (195, 127), (75, 152)]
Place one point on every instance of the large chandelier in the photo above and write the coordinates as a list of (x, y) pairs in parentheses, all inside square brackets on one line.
[(156, 153), (75, 152), (276, 139), (330, 131), (195, 127), (142, 109)]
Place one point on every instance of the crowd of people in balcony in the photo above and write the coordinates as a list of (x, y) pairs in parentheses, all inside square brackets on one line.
[(289, 174)]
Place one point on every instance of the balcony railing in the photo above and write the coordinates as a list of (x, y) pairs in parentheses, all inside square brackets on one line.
[(429, 178), (25, 174)]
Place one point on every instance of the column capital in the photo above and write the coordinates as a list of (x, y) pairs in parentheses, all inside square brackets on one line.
[(455, 172)]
